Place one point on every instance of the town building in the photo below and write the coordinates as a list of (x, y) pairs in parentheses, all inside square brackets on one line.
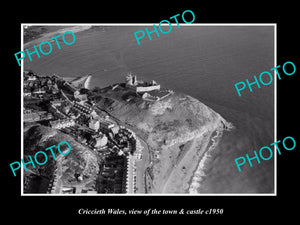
[(32, 77), (69, 87), (27, 93), (80, 97), (57, 102), (59, 124), (94, 124), (106, 127), (115, 144), (30, 115), (39, 91), (101, 141), (130, 174), (82, 108), (115, 129)]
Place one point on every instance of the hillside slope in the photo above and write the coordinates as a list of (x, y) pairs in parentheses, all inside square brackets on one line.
[(177, 129), (80, 160)]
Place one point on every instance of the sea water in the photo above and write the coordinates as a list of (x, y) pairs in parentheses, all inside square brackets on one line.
[(202, 61)]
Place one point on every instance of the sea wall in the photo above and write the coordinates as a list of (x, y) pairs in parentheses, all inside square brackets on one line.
[(149, 88)]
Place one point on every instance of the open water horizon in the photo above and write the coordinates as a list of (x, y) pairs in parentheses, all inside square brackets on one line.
[(202, 61)]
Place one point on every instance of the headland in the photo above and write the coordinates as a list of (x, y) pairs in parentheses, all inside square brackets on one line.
[(130, 137)]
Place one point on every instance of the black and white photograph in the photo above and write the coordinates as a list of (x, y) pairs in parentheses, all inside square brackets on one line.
[(161, 116), (137, 114)]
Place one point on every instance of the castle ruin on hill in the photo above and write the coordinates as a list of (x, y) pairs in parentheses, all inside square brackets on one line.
[(150, 91)]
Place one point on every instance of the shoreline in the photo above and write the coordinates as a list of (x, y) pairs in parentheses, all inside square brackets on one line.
[(199, 173), (189, 161), (201, 146), (48, 35)]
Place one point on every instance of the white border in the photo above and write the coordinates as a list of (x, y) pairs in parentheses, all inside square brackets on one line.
[(151, 24), (275, 110)]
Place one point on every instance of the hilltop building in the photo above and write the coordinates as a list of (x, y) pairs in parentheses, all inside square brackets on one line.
[(140, 86), (59, 124), (150, 91), (156, 95)]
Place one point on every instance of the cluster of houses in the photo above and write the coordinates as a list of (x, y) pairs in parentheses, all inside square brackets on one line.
[(113, 175), (76, 116), (36, 86), (30, 115)]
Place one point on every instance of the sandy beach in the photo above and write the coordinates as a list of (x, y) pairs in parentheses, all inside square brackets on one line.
[(180, 161), (48, 35), (205, 156)]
